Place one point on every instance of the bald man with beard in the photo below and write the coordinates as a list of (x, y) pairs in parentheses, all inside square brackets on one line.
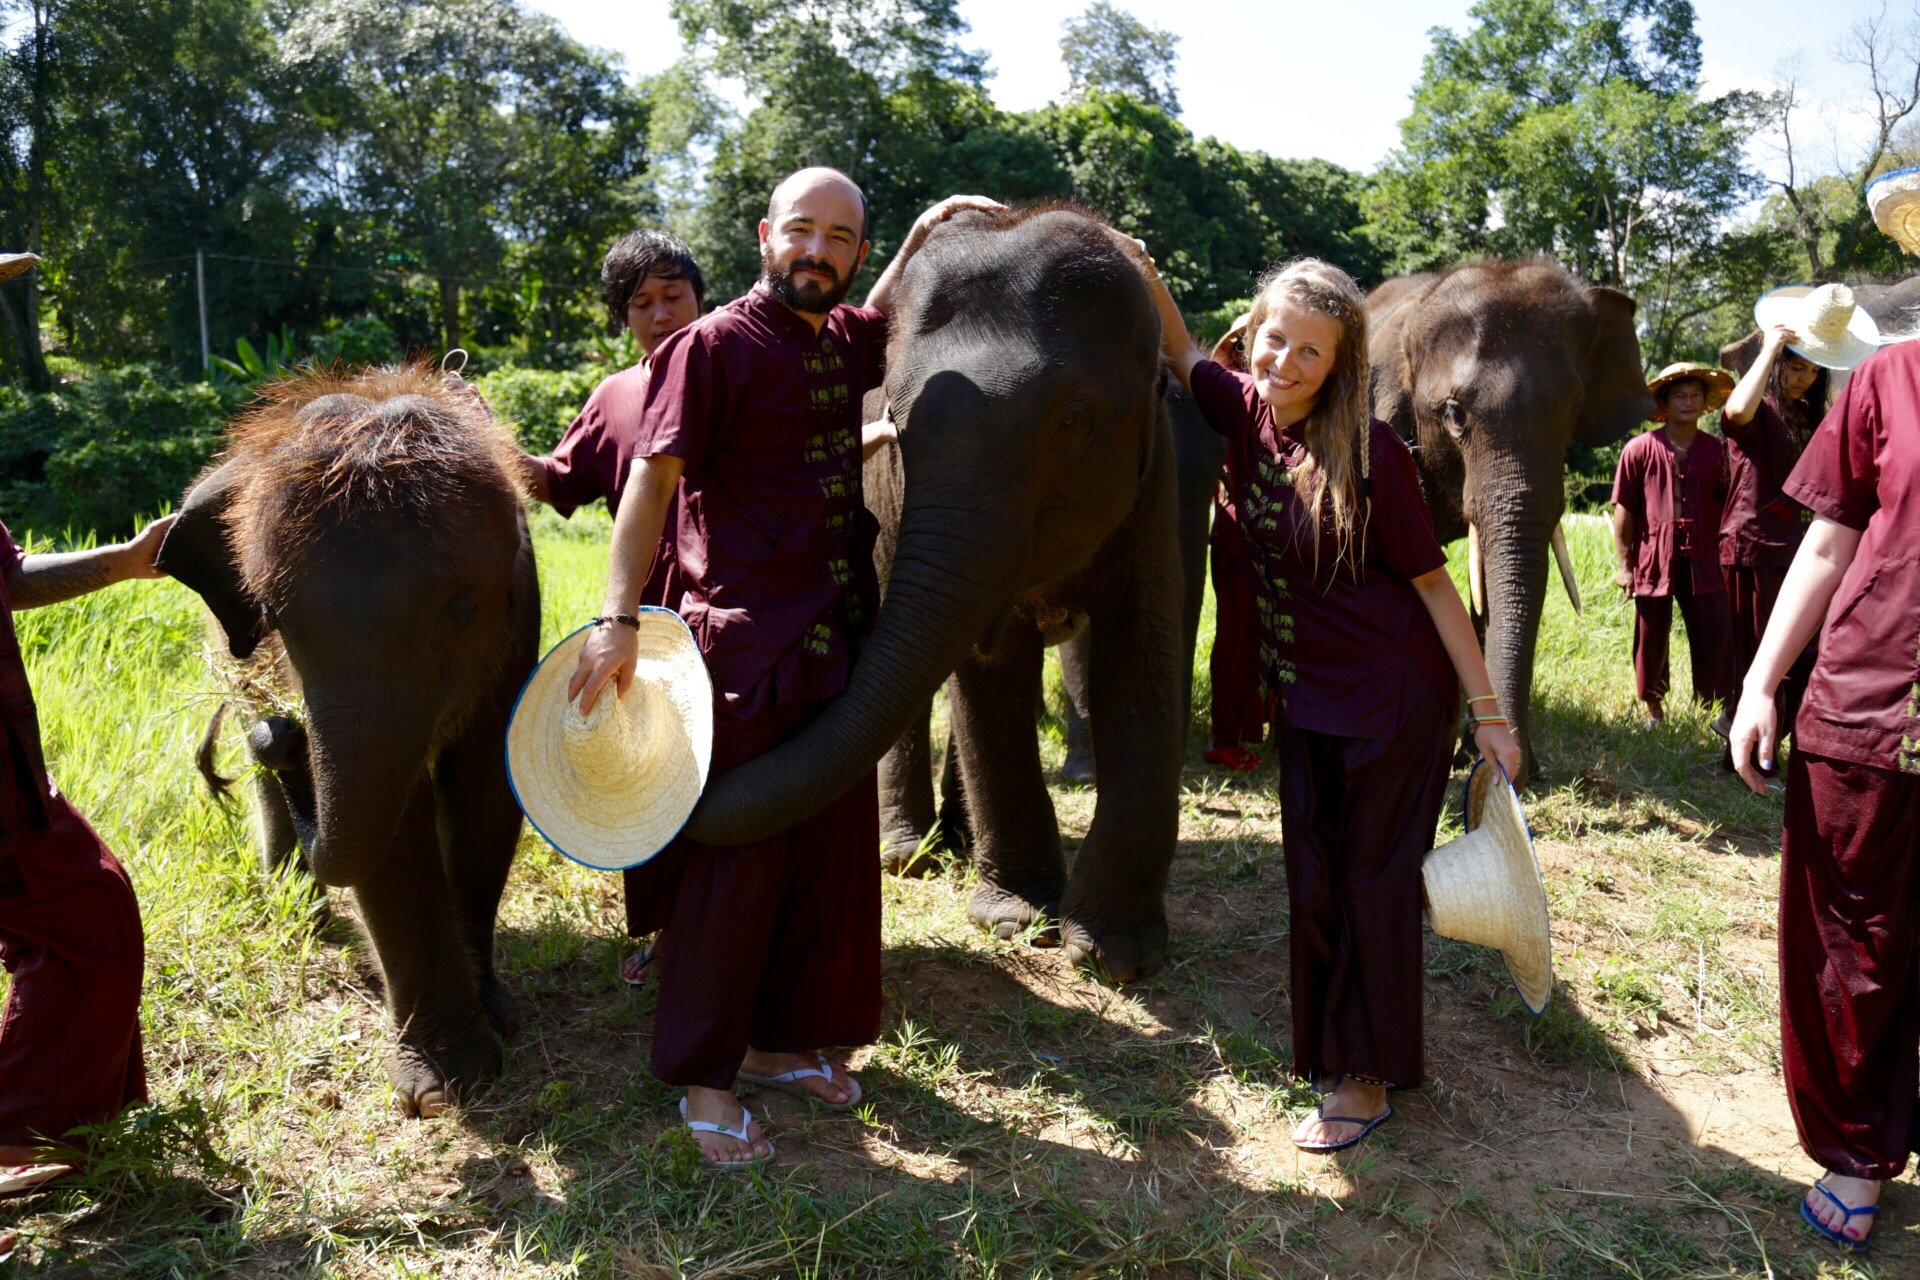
[(752, 418)]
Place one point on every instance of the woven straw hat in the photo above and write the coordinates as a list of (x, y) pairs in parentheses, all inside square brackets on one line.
[(613, 788), (1834, 333), (1717, 381), (14, 264), (1223, 352), (1894, 200), (1485, 887)]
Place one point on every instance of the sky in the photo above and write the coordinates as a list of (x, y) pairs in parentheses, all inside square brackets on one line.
[(1310, 78)]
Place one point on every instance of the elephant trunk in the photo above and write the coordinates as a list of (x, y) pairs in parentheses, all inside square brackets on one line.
[(955, 569), (365, 753), (1513, 550)]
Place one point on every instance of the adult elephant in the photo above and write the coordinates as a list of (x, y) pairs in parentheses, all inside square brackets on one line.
[(362, 543), (1033, 481), (1490, 371)]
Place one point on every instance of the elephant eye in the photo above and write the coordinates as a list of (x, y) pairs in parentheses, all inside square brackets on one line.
[(1454, 416)]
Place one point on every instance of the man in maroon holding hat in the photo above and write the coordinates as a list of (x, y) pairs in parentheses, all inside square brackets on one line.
[(1667, 498), (752, 419), (69, 926)]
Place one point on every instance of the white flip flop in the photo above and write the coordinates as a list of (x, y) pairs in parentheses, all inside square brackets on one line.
[(789, 1082), (740, 1134)]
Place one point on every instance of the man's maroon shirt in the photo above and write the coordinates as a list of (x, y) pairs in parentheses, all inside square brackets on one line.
[(1340, 639), (1761, 527), (775, 548), (1676, 511), (1862, 470)]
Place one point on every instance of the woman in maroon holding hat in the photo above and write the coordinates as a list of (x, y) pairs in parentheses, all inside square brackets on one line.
[(1364, 644), (1667, 496), (1767, 422), (1850, 854)]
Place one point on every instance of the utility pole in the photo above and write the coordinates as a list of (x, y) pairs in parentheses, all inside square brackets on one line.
[(200, 274)]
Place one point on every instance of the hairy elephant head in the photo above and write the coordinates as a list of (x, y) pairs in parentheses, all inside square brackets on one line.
[(1023, 371), (1490, 371), (373, 525)]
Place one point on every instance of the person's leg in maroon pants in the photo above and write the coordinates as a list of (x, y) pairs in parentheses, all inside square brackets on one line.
[(70, 1034), (1704, 614), (1652, 627), (1849, 992), (1357, 820), (1237, 714)]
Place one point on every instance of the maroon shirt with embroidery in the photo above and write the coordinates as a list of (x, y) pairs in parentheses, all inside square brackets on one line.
[(1676, 511), (592, 461), (1862, 470), (1339, 640), (775, 549), (1761, 526), (24, 787)]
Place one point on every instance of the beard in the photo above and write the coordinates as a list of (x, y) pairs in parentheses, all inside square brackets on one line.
[(803, 296)]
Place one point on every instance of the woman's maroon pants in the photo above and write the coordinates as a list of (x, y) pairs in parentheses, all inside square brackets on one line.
[(774, 945), (70, 936), (1238, 714), (1849, 990), (1357, 820)]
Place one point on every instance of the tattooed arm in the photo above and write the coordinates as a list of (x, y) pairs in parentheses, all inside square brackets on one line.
[(49, 579)]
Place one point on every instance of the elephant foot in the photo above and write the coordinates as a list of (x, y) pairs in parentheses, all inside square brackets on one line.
[(906, 855), (1007, 913), (428, 1083), (1117, 951), (1077, 768), (503, 1011)]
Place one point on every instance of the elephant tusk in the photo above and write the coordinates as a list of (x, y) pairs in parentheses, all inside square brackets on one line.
[(1564, 558), (1476, 576)]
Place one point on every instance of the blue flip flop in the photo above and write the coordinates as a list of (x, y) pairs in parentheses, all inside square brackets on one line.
[(1366, 1127), (1840, 1238)]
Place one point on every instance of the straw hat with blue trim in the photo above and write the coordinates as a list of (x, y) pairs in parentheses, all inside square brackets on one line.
[(14, 264), (1485, 887), (613, 788), (1894, 200)]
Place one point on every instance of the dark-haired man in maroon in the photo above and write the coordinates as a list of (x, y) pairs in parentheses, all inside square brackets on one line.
[(753, 418), (69, 926), (1667, 497)]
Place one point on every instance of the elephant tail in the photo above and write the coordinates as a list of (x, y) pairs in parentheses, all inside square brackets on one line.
[(222, 788)]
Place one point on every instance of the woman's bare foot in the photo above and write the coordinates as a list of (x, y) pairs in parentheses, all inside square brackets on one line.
[(1854, 1193), (719, 1106), (835, 1094), (1349, 1098)]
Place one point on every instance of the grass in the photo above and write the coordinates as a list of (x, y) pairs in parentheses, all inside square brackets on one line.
[(1023, 1120)]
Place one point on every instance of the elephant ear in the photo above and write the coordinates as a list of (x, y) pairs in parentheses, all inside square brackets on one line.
[(1616, 398), (1738, 357), (1390, 376), (196, 552)]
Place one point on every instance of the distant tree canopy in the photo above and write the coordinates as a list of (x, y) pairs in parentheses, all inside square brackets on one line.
[(1108, 49)]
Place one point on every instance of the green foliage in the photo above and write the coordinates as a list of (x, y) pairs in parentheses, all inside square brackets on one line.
[(362, 340), (1109, 49), (100, 453), (537, 404), (251, 366)]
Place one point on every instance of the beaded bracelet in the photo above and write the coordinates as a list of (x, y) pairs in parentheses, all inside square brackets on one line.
[(624, 619)]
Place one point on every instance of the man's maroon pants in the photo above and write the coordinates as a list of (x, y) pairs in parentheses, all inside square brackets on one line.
[(1238, 714), (774, 945), (1357, 820), (70, 936), (1751, 592), (1849, 990), (1705, 615)]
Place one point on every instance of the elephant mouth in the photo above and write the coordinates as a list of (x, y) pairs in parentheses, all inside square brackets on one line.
[(279, 743)]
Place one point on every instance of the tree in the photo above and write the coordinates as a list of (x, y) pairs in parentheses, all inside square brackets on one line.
[(1108, 49), (1570, 127), (25, 124)]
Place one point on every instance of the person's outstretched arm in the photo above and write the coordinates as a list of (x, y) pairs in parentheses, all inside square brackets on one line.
[(1817, 569), (610, 651), (880, 298), (1752, 387), (1442, 599), (48, 579), (1176, 344)]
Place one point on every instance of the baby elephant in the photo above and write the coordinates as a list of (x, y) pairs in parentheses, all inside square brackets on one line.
[(365, 535)]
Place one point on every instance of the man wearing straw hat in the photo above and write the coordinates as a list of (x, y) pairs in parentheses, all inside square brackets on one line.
[(753, 418), (1667, 497), (69, 925), (1767, 421), (1850, 854)]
